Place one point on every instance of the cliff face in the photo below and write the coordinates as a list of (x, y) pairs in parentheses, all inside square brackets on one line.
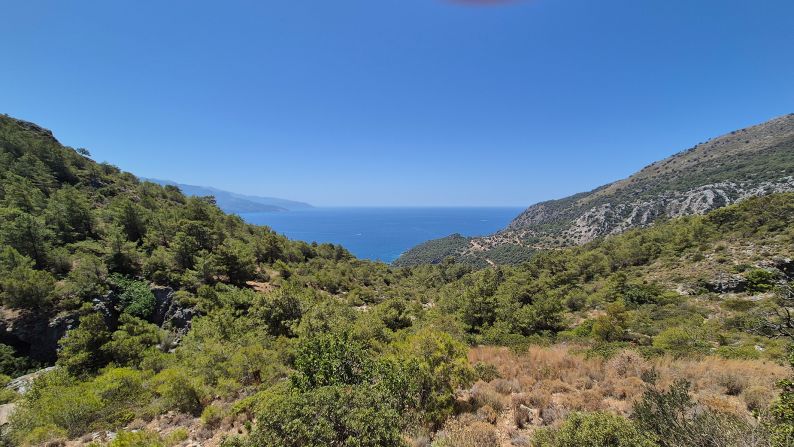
[(749, 162)]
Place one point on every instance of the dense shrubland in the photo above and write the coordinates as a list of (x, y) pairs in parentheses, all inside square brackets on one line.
[(297, 344)]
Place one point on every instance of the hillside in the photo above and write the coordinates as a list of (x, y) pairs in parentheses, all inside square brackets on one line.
[(749, 162), (235, 203), (131, 314)]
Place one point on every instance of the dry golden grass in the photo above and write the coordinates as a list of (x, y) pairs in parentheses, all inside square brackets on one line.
[(554, 381), (461, 432)]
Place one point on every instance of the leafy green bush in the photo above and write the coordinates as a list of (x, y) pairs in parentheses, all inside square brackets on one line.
[(128, 344), (25, 288), (681, 342), (760, 280), (81, 349), (137, 439), (178, 391), (211, 415), (595, 429), (58, 403), (330, 359), (135, 297), (330, 415)]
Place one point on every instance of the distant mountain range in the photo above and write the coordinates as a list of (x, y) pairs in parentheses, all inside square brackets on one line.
[(231, 202), (749, 162)]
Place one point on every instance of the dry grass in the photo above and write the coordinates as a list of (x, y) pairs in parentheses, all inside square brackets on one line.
[(543, 385), (462, 432)]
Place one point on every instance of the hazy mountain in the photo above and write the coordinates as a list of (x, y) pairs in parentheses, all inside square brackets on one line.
[(749, 162), (231, 202)]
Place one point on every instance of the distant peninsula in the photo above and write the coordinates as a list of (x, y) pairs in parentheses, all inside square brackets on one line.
[(231, 202)]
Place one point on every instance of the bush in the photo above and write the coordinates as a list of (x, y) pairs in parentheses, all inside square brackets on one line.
[(10, 364), (333, 415), (434, 366), (60, 404), (677, 421), (330, 359), (81, 349), (25, 288), (760, 280), (457, 433), (681, 342), (782, 414), (137, 439), (135, 297), (211, 415), (178, 391), (132, 339), (595, 429)]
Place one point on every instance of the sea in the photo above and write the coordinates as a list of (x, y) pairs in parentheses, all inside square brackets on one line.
[(383, 234)]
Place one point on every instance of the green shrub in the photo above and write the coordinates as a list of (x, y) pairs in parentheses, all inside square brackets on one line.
[(178, 391), (760, 280), (677, 421), (595, 429), (57, 400), (132, 339), (680, 342), (782, 414), (135, 297), (25, 288), (327, 416), (211, 415), (81, 349), (330, 359), (137, 439)]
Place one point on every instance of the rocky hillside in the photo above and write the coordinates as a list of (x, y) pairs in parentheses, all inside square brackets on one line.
[(749, 162)]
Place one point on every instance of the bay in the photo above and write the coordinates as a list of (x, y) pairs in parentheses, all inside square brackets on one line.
[(383, 234)]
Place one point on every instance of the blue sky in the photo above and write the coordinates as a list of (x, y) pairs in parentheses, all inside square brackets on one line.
[(395, 102)]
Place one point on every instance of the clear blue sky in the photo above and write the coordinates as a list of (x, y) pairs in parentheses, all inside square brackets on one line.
[(395, 102)]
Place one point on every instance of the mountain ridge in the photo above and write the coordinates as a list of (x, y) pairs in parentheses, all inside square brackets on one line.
[(232, 202), (753, 161)]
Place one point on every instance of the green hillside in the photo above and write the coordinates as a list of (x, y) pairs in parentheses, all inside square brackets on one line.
[(177, 324)]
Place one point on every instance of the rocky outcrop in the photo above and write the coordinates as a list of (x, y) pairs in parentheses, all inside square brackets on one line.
[(784, 265), (614, 218), (727, 284), (755, 161), (22, 383), (169, 313), (37, 337), (34, 336)]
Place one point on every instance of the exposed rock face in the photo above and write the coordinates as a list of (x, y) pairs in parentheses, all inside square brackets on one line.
[(38, 337), (35, 337), (750, 162), (616, 218), (22, 383), (727, 284), (783, 265), (168, 313)]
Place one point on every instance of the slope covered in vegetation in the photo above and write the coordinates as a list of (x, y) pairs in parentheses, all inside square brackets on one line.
[(185, 325), (749, 162)]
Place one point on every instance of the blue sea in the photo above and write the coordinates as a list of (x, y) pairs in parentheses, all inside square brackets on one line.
[(383, 233)]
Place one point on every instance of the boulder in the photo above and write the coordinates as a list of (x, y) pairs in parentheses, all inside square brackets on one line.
[(727, 284), (22, 383), (5, 412), (168, 312)]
